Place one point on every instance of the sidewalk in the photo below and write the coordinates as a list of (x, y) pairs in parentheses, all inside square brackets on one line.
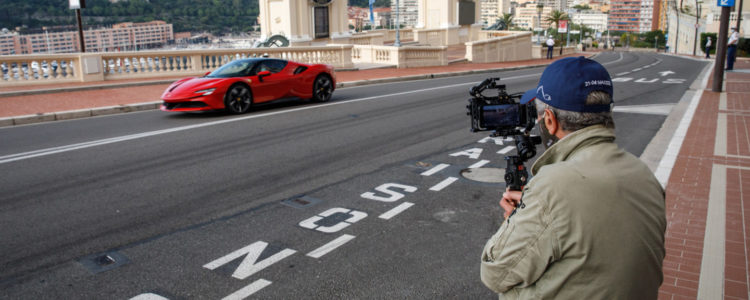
[(708, 233), (45, 104)]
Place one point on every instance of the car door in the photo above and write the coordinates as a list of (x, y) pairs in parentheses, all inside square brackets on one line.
[(272, 86)]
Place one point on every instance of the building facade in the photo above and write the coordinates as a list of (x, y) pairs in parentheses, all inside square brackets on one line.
[(528, 17), (591, 19), (493, 10), (407, 12), (633, 16), (305, 22), (120, 37)]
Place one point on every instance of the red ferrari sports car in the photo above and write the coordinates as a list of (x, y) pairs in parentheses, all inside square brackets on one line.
[(241, 83)]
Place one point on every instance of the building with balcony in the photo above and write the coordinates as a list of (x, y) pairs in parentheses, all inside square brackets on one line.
[(120, 37), (591, 19), (633, 15), (526, 16), (407, 12)]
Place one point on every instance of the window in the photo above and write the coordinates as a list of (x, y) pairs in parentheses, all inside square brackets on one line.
[(321, 22)]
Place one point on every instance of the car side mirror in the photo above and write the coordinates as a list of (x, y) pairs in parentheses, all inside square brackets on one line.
[(206, 73), (263, 74)]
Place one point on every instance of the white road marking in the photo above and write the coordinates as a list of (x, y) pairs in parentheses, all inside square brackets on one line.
[(472, 153), (649, 109), (54, 150), (643, 80), (332, 245), (623, 73), (621, 79), (435, 169), (61, 149), (665, 73), (638, 69), (396, 210), (250, 265), (148, 296), (498, 140), (479, 164), (443, 184), (506, 150), (248, 290), (393, 195)]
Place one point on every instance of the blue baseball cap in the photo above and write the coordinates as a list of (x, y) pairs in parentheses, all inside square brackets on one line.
[(566, 83)]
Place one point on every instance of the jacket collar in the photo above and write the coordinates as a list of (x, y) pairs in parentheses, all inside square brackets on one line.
[(571, 143)]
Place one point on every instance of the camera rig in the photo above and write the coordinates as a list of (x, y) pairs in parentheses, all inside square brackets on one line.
[(506, 116)]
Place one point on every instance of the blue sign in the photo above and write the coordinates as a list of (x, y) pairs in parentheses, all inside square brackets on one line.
[(728, 3)]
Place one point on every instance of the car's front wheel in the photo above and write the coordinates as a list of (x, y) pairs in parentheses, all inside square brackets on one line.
[(322, 88), (238, 99)]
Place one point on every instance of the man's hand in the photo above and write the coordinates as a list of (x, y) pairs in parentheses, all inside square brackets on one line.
[(511, 199)]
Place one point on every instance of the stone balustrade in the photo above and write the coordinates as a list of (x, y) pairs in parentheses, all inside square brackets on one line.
[(85, 67), (538, 51), (372, 38), (401, 57), (500, 47)]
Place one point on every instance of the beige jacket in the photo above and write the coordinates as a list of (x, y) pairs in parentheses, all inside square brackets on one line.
[(592, 227)]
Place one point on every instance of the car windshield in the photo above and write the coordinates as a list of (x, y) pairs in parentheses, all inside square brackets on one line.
[(236, 68)]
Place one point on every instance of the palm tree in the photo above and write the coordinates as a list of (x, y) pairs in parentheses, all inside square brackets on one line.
[(555, 17), (508, 21)]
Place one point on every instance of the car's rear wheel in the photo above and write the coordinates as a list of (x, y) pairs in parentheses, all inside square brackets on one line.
[(322, 88), (238, 99)]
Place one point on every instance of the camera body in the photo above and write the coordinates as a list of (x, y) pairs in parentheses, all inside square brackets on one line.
[(503, 114), (506, 116)]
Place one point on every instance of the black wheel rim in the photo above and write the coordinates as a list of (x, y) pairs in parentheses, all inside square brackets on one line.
[(323, 88), (239, 99)]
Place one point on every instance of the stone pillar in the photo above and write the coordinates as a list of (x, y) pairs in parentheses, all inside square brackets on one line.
[(295, 19)]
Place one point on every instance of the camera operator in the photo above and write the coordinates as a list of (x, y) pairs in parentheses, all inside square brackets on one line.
[(590, 224)]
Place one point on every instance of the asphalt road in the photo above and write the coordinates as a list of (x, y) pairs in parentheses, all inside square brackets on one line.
[(361, 197)]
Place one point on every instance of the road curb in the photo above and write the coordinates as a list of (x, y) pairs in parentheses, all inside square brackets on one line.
[(117, 109)]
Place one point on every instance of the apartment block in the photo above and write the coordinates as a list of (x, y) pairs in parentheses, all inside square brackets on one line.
[(120, 37)]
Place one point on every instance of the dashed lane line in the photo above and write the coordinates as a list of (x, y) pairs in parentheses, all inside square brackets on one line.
[(332, 245), (396, 210)]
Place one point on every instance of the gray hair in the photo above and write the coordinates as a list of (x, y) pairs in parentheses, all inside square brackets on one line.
[(571, 121)]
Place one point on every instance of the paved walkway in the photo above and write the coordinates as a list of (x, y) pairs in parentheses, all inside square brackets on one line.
[(706, 168), (708, 233)]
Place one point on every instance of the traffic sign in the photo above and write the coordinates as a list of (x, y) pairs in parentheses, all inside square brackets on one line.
[(727, 3)]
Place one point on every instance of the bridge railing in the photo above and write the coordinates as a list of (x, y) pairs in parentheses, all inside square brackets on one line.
[(401, 57), (85, 67), (500, 47)]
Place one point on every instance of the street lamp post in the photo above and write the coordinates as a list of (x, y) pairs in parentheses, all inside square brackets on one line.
[(398, 25), (539, 9), (697, 22)]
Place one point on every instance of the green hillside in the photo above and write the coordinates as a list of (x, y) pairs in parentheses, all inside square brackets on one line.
[(217, 16)]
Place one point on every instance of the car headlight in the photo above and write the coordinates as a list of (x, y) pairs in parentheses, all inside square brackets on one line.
[(206, 92)]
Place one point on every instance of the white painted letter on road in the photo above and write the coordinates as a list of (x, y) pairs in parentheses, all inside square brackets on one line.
[(473, 153), (312, 222), (392, 195), (250, 265)]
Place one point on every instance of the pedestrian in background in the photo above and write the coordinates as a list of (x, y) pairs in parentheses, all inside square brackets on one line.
[(590, 224), (732, 48), (708, 46), (550, 46)]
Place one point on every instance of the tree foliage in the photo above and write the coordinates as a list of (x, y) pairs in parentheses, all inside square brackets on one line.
[(215, 16)]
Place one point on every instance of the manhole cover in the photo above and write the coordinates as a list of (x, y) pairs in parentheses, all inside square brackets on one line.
[(490, 175)]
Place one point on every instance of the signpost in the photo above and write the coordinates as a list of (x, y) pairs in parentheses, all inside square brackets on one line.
[(77, 5), (721, 47)]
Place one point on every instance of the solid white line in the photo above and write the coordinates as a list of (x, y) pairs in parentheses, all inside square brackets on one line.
[(711, 280), (248, 290), (61, 149), (434, 170), (479, 164), (506, 150), (443, 184), (634, 70), (623, 73), (670, 156), (332, 245), (396, 210), (720, 144)]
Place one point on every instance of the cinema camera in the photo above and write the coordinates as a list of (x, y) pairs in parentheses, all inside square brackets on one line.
[(506, 116)]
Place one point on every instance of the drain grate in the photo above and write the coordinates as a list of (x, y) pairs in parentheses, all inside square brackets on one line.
[(100, 262), (302, 201)]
